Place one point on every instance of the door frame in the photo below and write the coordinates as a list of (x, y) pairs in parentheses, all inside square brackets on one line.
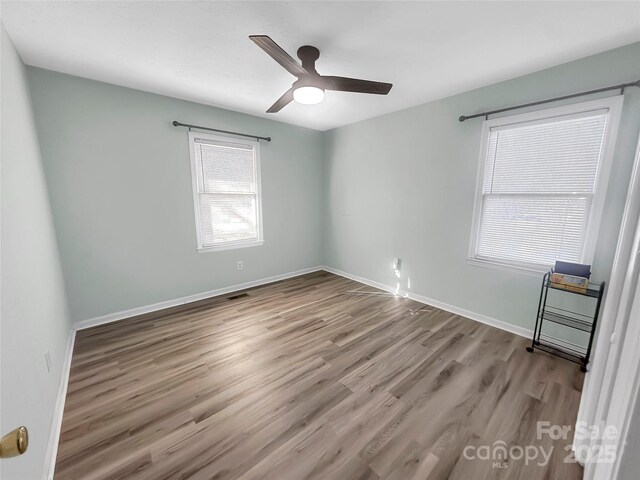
[(610, 392)]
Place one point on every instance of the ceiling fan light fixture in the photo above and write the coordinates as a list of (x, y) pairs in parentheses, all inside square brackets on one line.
[(310, 85), (308, 95)]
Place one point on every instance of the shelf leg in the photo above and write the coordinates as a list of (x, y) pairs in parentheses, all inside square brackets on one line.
[(593, 326), (539, 316)]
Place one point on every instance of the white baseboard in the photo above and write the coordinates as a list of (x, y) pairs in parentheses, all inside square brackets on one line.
[(113, 317), (56, 422), (493, 322)]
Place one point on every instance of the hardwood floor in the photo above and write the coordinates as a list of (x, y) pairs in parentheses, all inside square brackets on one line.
[(300, 379)]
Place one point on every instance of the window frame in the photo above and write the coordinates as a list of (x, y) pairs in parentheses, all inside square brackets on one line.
[(614, 106), (230, 245)]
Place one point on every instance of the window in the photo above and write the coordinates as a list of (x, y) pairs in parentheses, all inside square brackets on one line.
[(226, 192), (541, 185)]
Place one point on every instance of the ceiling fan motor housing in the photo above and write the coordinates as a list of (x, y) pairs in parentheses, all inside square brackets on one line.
[(308, 55)]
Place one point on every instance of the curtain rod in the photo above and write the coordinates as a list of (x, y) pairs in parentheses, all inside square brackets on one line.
[(620, 87), (178, 124)]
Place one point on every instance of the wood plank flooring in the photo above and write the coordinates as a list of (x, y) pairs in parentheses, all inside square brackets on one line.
[(302, 380)]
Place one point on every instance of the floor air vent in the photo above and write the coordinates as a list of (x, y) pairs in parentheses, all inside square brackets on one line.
[(240, 295)]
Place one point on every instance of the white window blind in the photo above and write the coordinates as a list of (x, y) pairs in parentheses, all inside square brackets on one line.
[(226, 184), (537, 188)]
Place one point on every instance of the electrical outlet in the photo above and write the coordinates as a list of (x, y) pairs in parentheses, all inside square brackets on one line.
[(240, 265), (47, 359), (397, 262)]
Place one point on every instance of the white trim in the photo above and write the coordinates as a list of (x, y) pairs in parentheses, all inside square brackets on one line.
[(478, 317), (114, 317), (614, 107), (602, 397), (624, 394), (505, 267), (218, 139), (602, 177), (56, 422), (231, 246)]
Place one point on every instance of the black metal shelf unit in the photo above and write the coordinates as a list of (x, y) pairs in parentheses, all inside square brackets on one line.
[(566, 318)]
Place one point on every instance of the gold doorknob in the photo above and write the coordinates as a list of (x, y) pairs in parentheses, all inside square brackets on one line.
[(14, 443)]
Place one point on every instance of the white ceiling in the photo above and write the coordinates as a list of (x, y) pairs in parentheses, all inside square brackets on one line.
[(199, 51)]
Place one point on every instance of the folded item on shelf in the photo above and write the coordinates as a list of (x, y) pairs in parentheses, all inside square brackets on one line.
[(573, 269)]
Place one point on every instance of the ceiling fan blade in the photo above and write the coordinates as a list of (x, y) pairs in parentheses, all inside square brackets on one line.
[(278, 54), (344, 84), (282, 102)]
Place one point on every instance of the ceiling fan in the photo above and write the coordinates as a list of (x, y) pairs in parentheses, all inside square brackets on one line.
[(310, 86)]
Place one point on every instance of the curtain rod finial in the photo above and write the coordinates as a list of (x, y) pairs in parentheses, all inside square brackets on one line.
[(462, 118), (175, 123)]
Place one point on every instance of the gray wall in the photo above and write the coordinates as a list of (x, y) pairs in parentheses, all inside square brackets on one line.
[(120, 183), (352, 198), (403, 185), (33, 313)]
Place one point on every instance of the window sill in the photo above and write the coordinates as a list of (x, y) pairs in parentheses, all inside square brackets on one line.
[(534, 271), (230, 246)]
